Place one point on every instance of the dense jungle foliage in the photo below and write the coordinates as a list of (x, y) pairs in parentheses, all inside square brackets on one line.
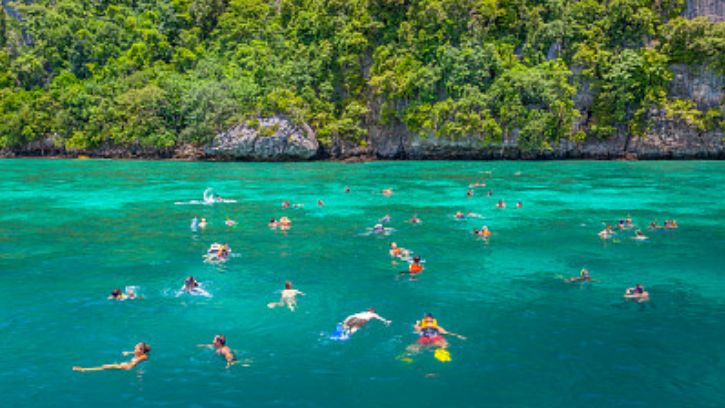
[(163, 73)]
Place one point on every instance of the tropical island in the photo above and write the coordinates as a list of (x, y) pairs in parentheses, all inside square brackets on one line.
[(360, 79)]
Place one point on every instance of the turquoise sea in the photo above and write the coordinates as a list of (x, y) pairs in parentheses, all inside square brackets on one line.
[(73, 230)]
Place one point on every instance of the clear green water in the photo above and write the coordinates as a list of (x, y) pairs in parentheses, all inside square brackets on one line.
[(70, 231)]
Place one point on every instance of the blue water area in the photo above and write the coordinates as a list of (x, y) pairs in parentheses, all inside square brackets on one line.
[(73, 230)]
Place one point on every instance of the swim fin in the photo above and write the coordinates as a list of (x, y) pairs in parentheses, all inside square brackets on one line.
[(442, 355)]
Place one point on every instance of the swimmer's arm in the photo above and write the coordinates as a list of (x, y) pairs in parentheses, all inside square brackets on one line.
[(126, 353), (299, 292), (382, 319), (209, 346)]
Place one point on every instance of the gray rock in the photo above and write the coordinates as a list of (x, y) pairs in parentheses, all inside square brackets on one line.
[(712, 9), (269, 139)]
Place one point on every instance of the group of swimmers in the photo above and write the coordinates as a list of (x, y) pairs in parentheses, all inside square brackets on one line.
[(430, 333)]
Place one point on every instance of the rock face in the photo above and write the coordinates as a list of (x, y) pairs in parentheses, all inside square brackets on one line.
[(267, 139), (712, 9)]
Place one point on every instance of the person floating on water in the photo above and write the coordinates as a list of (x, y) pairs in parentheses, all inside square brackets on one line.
[(637, 293), (384, 219), (606, 233), (194, 224), (218, 252), (477, 185), (355, 322), (387, 192), (347, 189), (519, 204), (289, 297), (219, 345), (469, 193), (415, 220), (116, 294), (230, 222), (430, 334), (320, 203), (583, 276), (415, 266), (628, 221), (285, 204), (484, 232), (140, 353), (639, 235), (284, 223), (501, 204), (202, 223), (459, 215), (190, 284), (398, 252)]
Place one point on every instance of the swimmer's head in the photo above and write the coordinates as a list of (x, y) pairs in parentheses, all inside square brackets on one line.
[(288, 285), (116, 293), (393, 245), (416, 258), (220, 340), (190, 281), (142, 347), (371, 310)]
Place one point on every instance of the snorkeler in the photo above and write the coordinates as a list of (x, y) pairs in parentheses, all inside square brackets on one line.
[(583, 276), (637, 293), (116, 294), (430, 334), (639, 235), (355, 322), (398, 252), (415, 266), (606, 233), (219, 344), (140, 353), (190, 284), (289, 297)]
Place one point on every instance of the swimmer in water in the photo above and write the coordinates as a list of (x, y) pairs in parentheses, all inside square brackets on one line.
[(459, 215), (202, 223), (190, 284), (628, 221), (355, 322), (347, 189), (320, 203), (398, 252), (194, 224), (430, 334), (384, 219), (519, 204), (484, 232), (272, 223), (219, 345), (116, 294), (606, 233), (415, 266), (501, 204), (415, 220), (387, 192), (289, 297), (469, 193), (639, 235), (583, 276), (284, 223), (477, 185), (637, 293), (230, 222), (140, 353), (490, 193), (285, 204), (673, 224)]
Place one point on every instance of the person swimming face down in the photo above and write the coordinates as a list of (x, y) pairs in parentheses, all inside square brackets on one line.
[(190, 284)]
